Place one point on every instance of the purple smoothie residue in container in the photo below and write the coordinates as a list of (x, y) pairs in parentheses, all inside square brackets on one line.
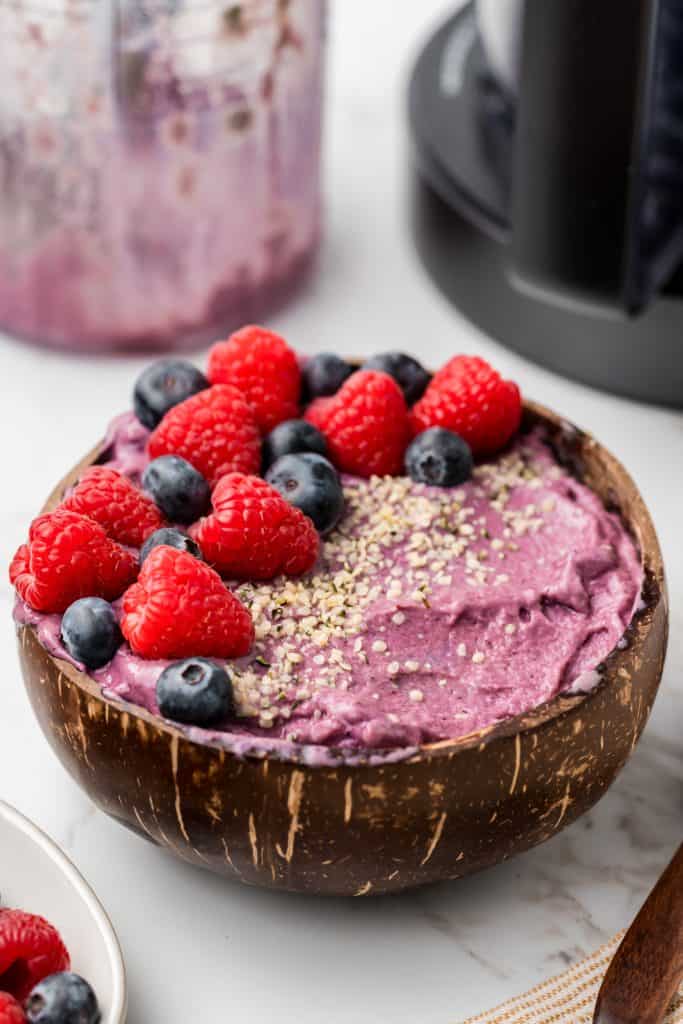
[(159, 167), (432, 613)]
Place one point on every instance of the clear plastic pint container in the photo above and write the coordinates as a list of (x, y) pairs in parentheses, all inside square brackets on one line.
[(159, 166)]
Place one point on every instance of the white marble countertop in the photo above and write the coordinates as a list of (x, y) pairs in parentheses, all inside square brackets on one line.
[(198, 948)]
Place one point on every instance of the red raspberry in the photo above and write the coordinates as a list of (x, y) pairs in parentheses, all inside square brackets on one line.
[(469, 397), (264, 368), (110, 499), (365, 424), (68, 557), (10, 1011), (30, 949), (254, 533), (215, 431), (180, 608)]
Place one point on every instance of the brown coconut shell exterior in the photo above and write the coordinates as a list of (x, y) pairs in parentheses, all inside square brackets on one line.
[(453, 808)]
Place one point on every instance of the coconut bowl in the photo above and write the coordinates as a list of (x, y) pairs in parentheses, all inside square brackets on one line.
[(452, 808)]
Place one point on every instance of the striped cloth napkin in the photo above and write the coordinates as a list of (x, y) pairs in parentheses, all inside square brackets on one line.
[(568, 998)]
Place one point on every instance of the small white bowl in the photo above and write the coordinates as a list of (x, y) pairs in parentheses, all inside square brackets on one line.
[(37, 877)]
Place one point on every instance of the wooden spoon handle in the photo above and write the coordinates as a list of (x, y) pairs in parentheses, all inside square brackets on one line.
[(648, 966)]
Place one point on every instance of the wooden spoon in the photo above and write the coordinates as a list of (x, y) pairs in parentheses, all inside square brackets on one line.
[(647, 968)]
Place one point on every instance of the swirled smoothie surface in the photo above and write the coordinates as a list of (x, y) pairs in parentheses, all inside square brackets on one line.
[(431, 613)]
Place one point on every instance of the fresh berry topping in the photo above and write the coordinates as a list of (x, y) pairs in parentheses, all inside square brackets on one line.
[(30, 949), (67, 557), (469, 397), (289, 437), (90, 632), (215, 431), (264, 368), (410, 375), (365, 424), (323, 374), (163, 385), (180, 491), (181, 608), (254, 533), (439, 457), (110, 499), (311, 483), (195, 691), (63, 999), (10, 1010), (172, 539)]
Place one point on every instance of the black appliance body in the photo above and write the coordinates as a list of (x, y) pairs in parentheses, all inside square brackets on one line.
[(548, 203)]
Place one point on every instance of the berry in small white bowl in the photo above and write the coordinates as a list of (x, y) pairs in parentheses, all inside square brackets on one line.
[(57, 946)]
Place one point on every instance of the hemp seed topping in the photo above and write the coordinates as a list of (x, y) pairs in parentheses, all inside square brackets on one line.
[(397, 541)]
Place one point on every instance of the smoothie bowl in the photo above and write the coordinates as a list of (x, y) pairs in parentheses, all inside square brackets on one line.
[(355, 679)]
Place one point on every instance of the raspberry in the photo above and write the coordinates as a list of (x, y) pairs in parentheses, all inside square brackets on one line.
[(469, 397), (110, 499), (365, 424), (254, 533), (264, 368), (10, 1011), (30, 949), (181, 608), (214, 430), (68, 557)]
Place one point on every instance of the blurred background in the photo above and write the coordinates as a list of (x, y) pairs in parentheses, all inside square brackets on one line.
[(196, 947)]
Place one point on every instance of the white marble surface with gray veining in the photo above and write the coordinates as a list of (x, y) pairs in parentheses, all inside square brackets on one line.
[(200, 949)]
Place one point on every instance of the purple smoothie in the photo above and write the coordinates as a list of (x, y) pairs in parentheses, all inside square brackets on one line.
[(432, 612), (159, 167)]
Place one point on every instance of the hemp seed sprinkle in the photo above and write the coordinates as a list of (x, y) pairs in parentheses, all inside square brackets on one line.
[(396, 541)]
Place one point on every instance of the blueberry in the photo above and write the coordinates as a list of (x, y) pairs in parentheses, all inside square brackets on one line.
[(439, 457), (311, 483), (163, 385), (180, 491), (195, 691), (290, 437), (324, 374), (172, 539), (90, 631), (411, 377), (62, 999)]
